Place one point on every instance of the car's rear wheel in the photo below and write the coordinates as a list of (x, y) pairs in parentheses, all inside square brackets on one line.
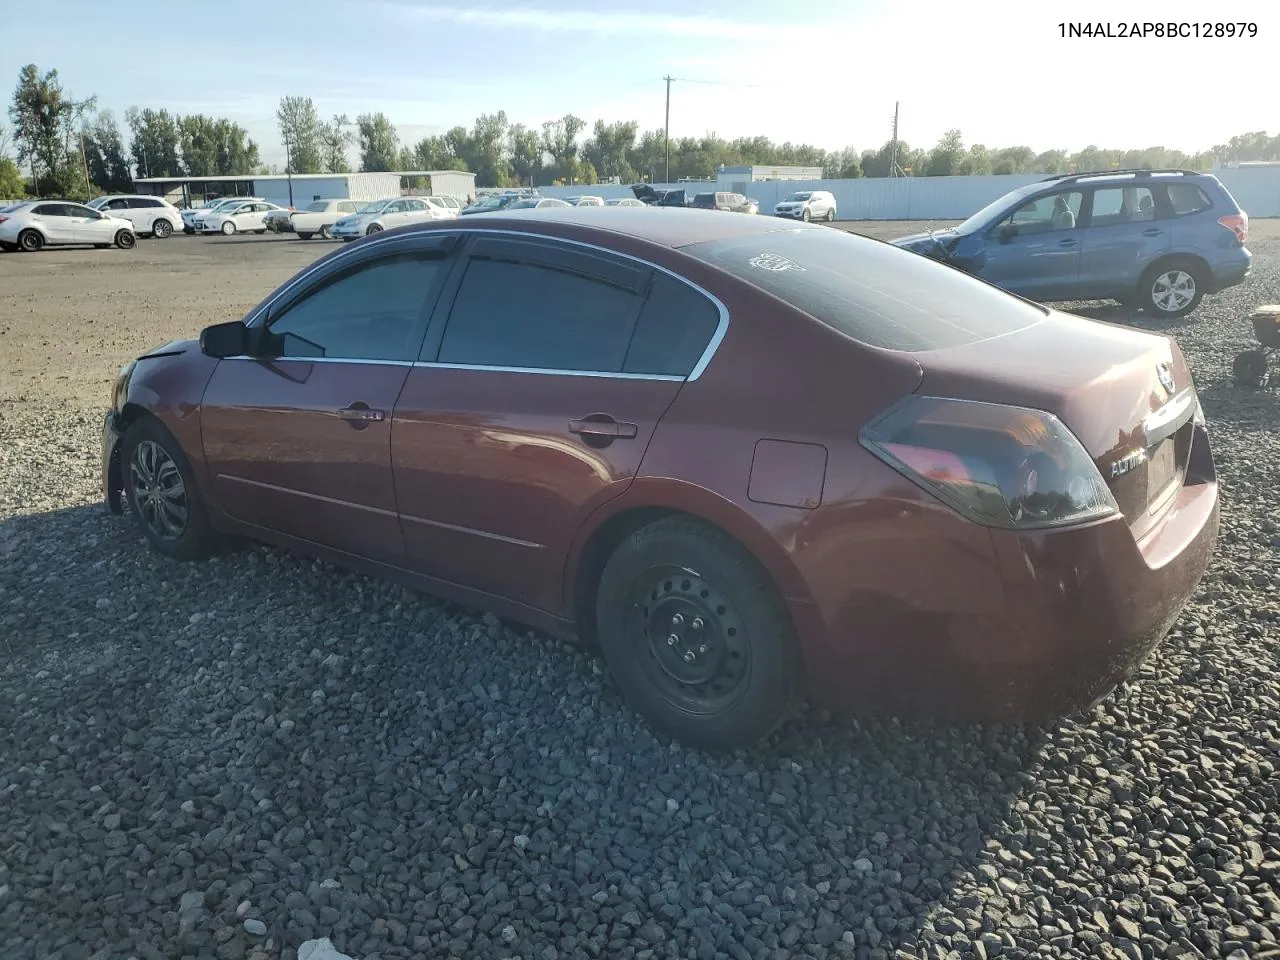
[(228, 228), (696, 635), (125, 239), (324, 233), (1172, 288), (831, 215), (30, 241), (161, 492), (305, 236), (162, 229)]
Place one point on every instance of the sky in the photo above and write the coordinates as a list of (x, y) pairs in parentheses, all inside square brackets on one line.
[(827, 74)]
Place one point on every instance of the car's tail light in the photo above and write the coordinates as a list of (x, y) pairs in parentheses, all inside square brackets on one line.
[(997, 465), (1237, 223), (3, 219)]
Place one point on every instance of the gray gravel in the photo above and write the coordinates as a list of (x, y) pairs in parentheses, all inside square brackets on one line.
[(228, 759)]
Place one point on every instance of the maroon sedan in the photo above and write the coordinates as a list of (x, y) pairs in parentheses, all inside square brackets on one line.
[(753, 460)]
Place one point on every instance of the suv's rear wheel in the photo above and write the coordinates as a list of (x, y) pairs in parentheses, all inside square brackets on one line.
[(1171, 288), (696, 635)]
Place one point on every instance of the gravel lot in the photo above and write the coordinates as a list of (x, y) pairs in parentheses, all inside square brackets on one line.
[(227, 759)]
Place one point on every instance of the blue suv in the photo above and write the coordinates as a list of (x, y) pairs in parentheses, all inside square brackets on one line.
[(1155, 239)]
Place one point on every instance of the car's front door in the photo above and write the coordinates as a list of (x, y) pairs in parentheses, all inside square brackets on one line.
[(1035, 250), (92, 226), (299, 441), (1127, 230), (533, 406)]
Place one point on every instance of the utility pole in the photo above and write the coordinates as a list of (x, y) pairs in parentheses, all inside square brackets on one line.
[(88, 188), (666, 136), (893, 152)]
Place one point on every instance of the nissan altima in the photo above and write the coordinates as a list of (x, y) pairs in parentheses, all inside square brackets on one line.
[(752, 460)]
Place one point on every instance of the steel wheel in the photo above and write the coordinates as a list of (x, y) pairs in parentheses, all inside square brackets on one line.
[(126, 240), (30, 241), (694, 643), (157, 489), (1173, 291)]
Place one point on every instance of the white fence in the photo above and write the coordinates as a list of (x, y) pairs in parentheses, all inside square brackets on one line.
[(1256, 189)]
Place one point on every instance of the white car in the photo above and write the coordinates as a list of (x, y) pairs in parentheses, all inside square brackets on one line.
[(623, 202), (449, 204), (152, 216), (385, 215), (244, 217), (212, 206), (537, 203), (587, 201), (320, 215), (31, 225), (808, 205)]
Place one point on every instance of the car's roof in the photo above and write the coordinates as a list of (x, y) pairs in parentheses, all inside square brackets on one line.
[(668, 228)]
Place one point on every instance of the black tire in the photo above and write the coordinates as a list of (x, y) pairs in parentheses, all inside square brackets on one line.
[(30, 241), (1164, 287), (323, 233), (831, 215), (191, 538), (733, 673), (305, 236), (162, 229), (804, 214), (126, 240), (373, 228)]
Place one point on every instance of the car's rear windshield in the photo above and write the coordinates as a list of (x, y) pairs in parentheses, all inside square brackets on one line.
[(318, 207), (874, 292)]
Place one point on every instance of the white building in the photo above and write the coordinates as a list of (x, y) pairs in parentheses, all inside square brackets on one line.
[(299, 189)]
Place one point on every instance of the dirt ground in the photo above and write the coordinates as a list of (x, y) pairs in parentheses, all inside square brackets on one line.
[(70, 317)]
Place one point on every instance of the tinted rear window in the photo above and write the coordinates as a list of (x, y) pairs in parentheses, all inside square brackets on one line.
[(874, 292)]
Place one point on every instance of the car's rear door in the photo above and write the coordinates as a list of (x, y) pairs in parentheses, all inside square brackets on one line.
[(1127, 229), (544, 373), (300, 442)]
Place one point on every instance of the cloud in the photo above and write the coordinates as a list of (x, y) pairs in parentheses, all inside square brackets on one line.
[(601, 22)]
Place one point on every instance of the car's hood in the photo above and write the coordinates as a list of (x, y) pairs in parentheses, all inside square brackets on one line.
[(924, 242), (171, 349)]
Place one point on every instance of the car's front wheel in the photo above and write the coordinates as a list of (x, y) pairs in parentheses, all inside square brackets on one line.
[(697, 636), (161, 492), (125, 239), (162, 229), (324, 233), (228, 228), (1171, 289), (373, 228), (804, 214)]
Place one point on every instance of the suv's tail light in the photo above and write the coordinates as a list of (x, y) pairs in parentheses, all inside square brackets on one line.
[(1000, 466), (1237, 223)]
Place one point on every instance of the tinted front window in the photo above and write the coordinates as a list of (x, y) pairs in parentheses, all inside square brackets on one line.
[(874, 292), (511, 314), (373, 312), (675, 326)]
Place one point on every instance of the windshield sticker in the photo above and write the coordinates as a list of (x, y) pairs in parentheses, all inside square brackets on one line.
[(775, 262)]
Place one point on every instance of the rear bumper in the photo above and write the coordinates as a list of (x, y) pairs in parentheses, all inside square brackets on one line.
[(1075, 613), (112, 473), (1233, 271)]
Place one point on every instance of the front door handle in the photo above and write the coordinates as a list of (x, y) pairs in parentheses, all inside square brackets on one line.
[(601, 429), (360, 414), (1069, 242), (1152, 232)]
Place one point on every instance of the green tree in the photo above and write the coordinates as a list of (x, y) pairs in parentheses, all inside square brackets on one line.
[(434, 153), (524, 146), (977, 162), (560, 141), (486, 150), (379, 143), (946, 157), (335, 139), (155, 142), (1050, 162), (302, 134), (45, 120), (609, 147), (105, 155), (11, 185), (213, 146), (648, 155)]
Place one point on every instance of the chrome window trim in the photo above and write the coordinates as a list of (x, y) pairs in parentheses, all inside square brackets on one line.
[(699, 368)]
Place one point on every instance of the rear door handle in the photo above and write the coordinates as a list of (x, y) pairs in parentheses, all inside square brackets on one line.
[(1152, 232), (603, 427), (1069, 242)]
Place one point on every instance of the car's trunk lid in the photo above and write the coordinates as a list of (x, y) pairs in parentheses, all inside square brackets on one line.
[(1126, 395)]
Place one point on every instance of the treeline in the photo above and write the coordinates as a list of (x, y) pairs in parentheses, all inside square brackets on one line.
[(49, 128), (68, 147)]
